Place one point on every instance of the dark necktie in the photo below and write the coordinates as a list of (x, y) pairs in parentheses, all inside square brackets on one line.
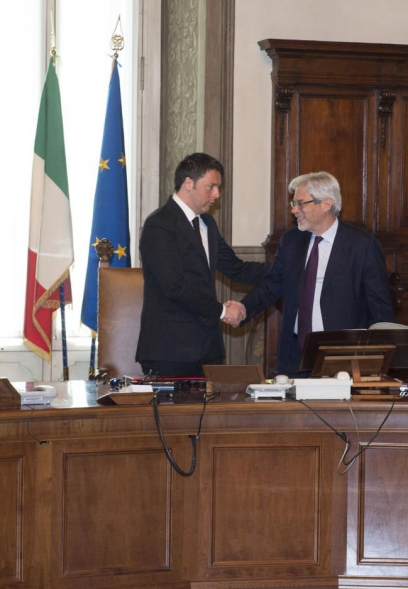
[(307, 292), (196, 225)]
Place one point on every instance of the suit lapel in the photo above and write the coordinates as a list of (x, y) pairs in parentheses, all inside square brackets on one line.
[(337, 254), (299, 259), (187, 229)]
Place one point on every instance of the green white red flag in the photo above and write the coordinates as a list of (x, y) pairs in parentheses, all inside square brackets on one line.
[(50, 248)]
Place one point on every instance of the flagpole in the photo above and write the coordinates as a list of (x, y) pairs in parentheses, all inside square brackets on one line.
[(91, 370), (65, 368)]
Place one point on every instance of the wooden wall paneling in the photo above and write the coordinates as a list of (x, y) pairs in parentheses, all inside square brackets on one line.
[(285, 114), (393, 225), (332, 130), (386, 100), (332, 136), (272, 337), (282, 151), (403, 196)]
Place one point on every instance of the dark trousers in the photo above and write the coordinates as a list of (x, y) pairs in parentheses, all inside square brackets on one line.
[(289, 364)]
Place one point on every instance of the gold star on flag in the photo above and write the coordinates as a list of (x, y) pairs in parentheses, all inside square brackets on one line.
[(97, 241), (122, 160), (121, 251), (103, 165)]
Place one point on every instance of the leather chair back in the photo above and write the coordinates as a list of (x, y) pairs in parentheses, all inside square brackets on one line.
[(119, 311)]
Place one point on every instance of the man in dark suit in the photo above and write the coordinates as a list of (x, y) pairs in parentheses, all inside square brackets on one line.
[(350, 287), (180, 324)]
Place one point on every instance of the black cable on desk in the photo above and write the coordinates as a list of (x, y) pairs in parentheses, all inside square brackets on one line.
[(344, 437), (41, 442), (192, 437)]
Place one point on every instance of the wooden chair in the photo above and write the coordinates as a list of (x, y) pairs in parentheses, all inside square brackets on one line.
[(119, 311)]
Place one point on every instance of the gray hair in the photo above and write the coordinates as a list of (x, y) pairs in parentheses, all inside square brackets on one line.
[(320, 185)]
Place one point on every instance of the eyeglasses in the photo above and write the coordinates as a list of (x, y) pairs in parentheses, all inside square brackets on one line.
[(300, 203)]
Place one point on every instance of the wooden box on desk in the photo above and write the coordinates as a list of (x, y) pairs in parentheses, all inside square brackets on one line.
[(128, 395), (9, 397), (231, 379)]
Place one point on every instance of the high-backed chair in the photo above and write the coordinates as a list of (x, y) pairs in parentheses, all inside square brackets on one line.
[(119, 310)]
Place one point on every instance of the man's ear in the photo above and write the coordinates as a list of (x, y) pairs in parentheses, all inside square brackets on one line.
[(188, 183), (327, 203)]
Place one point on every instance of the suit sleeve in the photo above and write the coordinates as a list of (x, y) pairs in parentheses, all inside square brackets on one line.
[(160, 251), (269, 290), (236, 269)]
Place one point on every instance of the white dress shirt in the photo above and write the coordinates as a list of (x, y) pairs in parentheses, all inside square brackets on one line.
[(325, 247), (190, 214)]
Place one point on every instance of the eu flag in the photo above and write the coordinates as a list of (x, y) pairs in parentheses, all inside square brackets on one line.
[(111, 210)]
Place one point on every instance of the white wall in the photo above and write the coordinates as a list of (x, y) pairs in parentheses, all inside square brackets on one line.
[(369, 21)]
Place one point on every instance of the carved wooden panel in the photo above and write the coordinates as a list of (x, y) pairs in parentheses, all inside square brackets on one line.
[(341, 107), (333, 136), (113, 513), (402, 123), (270, 512), (101, 532), (17, 510), (11, 526), (245, 529), (376, 515), (383, 533)]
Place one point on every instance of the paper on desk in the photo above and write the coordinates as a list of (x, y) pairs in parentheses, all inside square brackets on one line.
[(137, 388)]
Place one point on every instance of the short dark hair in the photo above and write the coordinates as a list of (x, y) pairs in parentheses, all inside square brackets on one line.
[(195, 166)]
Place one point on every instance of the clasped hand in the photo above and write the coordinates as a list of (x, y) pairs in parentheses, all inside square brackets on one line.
[(235, 312)]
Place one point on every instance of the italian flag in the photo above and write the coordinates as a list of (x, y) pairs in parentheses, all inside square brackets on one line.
[(50, 248)]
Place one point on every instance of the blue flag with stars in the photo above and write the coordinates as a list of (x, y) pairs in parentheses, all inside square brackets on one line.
[(111, 210)]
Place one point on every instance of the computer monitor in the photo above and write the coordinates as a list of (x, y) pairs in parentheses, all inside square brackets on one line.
[(370, 351)]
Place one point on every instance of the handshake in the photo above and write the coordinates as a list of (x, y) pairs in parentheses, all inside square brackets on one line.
[(235, 312)]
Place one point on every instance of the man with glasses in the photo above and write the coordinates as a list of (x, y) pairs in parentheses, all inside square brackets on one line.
[(346, 289)]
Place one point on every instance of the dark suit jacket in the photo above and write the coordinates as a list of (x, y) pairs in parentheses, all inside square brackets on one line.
[(180, 317), (355, 291)]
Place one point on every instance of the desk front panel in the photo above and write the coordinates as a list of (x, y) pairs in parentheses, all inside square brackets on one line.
[(90, 501)]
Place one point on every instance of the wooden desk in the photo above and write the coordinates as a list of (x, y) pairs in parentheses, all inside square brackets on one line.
[(89, 500)]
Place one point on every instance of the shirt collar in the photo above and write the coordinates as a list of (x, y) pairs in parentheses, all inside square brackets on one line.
[(189, 213), (330, 234)]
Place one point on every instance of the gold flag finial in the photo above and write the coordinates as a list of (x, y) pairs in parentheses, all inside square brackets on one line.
[(53, 50), (117, 39)]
